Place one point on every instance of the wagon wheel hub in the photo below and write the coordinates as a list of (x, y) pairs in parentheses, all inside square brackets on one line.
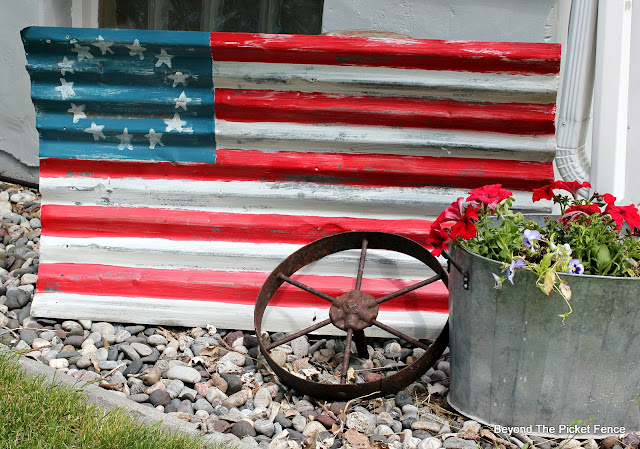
[(355, 310)]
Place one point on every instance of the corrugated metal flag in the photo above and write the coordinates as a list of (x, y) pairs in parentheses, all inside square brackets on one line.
[(179, 168)]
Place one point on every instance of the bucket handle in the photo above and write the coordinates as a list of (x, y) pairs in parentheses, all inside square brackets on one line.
[(450, 262)]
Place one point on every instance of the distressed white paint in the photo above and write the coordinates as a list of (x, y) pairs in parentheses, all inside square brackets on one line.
[(96, 131), (182, 101), (125, 140), (232, 316), (491, 20), (179, 78), (66, 89), (154, 138), (176, 124), (83, 52), (163, 58), (104, 46), (383, 81), (221, 256), (66, 66), (136, 49), (288, 198), (77, 111), (275, 136)]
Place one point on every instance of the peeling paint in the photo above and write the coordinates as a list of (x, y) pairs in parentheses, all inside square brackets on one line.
[(163, 202)]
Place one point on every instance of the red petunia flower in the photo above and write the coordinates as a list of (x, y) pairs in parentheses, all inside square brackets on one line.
[(438, 238), (621, 214), (578, 210), (490, 195), (453, 212), (588, 209), (546, 192), (465, 228)]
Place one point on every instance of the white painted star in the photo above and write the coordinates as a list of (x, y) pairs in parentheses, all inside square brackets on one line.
[(136, 49), (164, 58), (77, 111), (176, 124), (96, 130), (104, 46), (66, 89), (179, 78), (154, 138), (65, 66), (182, 100), (125, 140), (83, 52)]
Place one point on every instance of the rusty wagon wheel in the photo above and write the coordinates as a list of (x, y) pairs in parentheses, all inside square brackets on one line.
[(352, 312)]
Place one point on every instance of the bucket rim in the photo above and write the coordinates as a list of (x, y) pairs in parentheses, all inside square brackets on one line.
[(459, 246)]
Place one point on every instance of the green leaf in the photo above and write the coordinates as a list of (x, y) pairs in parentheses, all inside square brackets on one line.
[(603, 257), (546, 261)]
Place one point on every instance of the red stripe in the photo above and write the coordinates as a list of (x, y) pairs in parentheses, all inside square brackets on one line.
[(224, 286), (512, 57), (96, 221), (373, 170), (322, 108)]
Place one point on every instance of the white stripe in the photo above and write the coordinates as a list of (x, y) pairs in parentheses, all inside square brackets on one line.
[(190, 313), (221, 256), (277, 136), (386, 81), (289, 198)]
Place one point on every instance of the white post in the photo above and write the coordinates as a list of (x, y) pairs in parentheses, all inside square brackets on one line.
[(611, 94)]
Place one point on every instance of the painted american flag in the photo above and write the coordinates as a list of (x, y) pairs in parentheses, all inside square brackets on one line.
[(179, 168)]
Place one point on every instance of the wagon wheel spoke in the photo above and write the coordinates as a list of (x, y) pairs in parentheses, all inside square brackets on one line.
[(363, 256), (408, 289), (361, 344), (306, 288), (399, 334), (304, 331), (347, 356)]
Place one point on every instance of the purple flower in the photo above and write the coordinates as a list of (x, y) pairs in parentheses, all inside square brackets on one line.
[(510, 271), (529, 236), (575, 267)]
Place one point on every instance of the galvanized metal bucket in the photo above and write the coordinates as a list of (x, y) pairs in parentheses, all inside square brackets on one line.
[(514, 364)]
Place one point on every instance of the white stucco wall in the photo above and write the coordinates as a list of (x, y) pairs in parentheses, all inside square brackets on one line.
[(18, 136), (492, 20)]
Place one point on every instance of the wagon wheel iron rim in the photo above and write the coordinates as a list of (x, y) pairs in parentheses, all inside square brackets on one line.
[(351, 312)]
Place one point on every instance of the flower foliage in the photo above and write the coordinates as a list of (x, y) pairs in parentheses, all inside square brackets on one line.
[(592, 236)]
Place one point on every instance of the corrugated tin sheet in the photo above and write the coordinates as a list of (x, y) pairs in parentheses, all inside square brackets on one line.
[(178, 169)]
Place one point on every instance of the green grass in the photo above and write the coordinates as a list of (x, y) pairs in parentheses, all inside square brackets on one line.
[(34, 414)]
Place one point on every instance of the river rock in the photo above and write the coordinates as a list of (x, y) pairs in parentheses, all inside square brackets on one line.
[(243, 428), (237, 399), (215, 393), (361, 422), (159, 397), (264, 427), (184, 373)]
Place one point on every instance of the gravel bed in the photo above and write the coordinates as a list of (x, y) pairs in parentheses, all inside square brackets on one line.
[(217, 379)]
